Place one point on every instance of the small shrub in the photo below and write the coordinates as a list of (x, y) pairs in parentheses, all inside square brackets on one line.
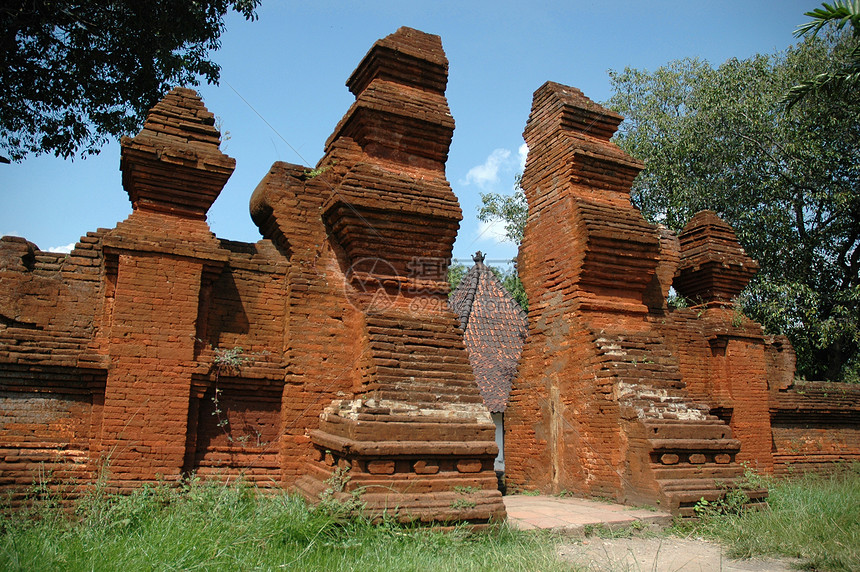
[(463, 503), (463, 490)]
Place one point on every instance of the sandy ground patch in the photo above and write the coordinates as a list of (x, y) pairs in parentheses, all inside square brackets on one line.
[(663, 554)]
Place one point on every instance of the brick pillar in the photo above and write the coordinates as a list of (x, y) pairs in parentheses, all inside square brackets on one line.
[(158, 261), (713, 271), (152, 353), (747, 377)]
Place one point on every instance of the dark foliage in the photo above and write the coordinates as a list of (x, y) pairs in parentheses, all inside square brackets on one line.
[(75, 74)]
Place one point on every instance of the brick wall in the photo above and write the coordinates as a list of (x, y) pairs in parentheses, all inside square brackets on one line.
[(815, 426), (156, 350), (345, 356)]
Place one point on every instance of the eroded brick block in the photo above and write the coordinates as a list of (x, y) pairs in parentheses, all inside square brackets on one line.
[(469, 465), (380, 467), (426, 467)]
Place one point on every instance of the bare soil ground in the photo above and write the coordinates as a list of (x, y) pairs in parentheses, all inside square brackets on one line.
[(662, 554)]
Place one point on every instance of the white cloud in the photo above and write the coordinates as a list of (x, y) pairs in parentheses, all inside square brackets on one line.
[(488, 173), (522, 153), (63, 249), (492, 231)]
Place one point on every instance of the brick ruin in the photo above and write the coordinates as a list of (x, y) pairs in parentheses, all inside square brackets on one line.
[(352, 373), (406, 419), (324, 357), (617, 394)]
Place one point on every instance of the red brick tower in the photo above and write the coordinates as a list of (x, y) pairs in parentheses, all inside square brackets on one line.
[(599, 405), (370, 232)]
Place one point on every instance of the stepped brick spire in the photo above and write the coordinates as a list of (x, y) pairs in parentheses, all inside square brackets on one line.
[(394, 142), (599, 404), (713, 268), (408, 423), (174, 164), (575, 174)]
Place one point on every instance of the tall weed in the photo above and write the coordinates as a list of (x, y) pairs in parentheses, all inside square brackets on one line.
[(814, 518)]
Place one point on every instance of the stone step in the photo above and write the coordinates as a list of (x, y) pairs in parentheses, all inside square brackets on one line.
[(429, 386), (426, 399), (692, 495), (711, 420), (689, 485)]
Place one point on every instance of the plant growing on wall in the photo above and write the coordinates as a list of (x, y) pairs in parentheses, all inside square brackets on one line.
[(226, 361)]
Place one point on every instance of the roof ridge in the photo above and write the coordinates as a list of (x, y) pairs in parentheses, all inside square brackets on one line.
[(471, 292)]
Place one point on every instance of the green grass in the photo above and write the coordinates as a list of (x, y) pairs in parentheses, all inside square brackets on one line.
[(218, 527), (209, 526), (813, 518)]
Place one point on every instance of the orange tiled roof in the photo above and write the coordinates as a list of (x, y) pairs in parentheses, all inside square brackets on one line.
[(495, 329)]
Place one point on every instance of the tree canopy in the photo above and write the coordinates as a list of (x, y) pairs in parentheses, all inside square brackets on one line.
[(75, 74), (512, 210), (788, 181)]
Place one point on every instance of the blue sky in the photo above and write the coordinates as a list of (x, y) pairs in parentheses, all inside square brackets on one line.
[(291, 65)]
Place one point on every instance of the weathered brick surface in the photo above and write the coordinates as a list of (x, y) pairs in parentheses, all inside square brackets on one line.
[(319, 322), (51, 381), (47, 420), (713, 268), (351, 363), (353, 374), (723, 355), (600, 405), (107, 353), (399, 395), (815, 426)]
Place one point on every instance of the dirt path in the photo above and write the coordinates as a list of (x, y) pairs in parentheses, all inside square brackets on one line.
[(663, 554)]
